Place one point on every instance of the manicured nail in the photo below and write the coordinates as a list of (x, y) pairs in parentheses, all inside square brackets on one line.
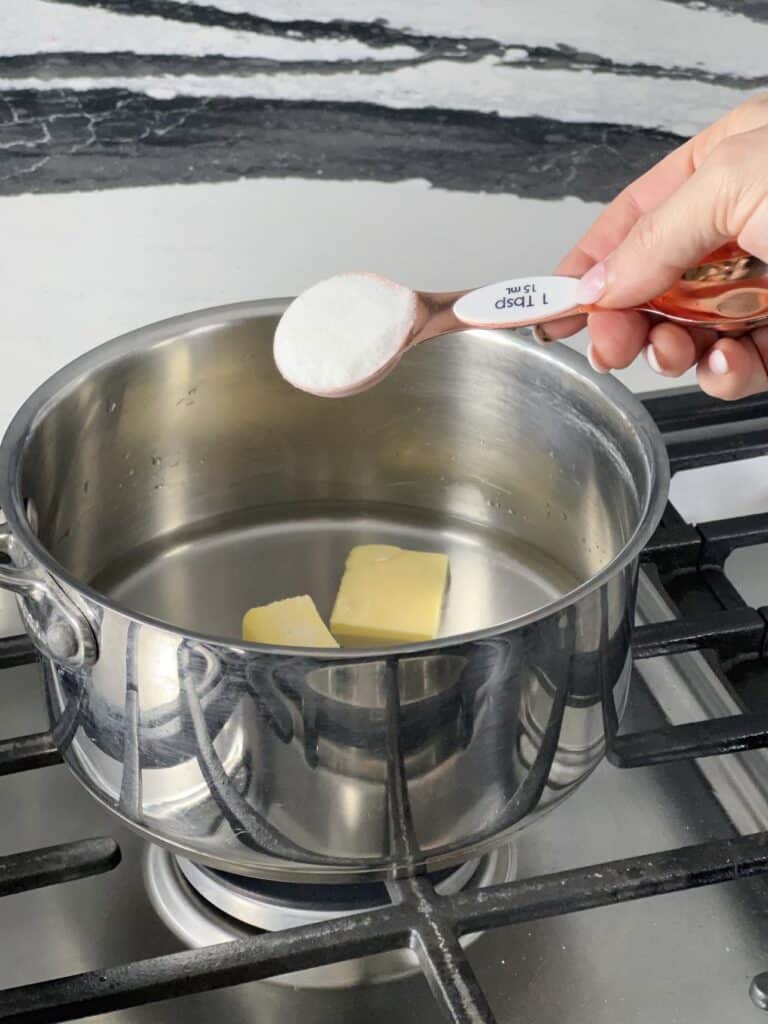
[(652, 359), (591, 286), (717, 363), (541, 334), (595, 361)]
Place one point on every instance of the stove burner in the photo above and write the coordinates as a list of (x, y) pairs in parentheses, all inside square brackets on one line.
[(202, 906), (272, 906)]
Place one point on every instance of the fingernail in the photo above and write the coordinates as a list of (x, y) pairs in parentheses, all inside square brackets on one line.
[(591, 286), (652, 359), (594, 360), (717, 363), (541, 334)]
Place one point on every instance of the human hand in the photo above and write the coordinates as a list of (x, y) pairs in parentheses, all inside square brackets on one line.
[(709, 191)]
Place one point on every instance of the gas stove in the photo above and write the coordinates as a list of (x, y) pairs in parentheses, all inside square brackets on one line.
[(589, 916)]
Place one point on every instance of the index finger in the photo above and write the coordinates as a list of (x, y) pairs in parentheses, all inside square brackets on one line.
[(645, 194), (640, 196), (657, 185), (613, 224)]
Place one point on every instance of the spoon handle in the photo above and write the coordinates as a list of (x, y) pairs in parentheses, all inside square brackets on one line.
[(724, 303), (520, 302), (728, 290)]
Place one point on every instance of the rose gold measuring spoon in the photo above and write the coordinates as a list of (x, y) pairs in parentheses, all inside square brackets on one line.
[(727, 291)]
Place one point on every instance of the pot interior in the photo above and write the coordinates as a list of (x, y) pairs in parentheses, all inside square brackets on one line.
[(179, 475)]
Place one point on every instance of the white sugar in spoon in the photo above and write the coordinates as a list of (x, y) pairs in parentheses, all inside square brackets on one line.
[(347, 333)]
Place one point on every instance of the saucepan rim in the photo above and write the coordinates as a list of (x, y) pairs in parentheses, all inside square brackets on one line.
[(156, 335)]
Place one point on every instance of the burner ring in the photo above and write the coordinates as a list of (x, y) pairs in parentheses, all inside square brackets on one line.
[(197, 917), (273, 906)]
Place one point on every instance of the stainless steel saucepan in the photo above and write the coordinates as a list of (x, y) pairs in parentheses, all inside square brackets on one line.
[(161, 485)]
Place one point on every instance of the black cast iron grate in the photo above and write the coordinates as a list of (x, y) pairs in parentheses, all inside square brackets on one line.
[(688, 562)]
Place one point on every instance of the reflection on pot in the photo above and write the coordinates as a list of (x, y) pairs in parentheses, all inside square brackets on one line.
[(338, 767)]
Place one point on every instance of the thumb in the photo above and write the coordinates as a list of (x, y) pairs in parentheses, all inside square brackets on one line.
[(726, 198)]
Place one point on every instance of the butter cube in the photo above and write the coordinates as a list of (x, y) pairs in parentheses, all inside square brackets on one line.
[(389, 595), (294, 622)]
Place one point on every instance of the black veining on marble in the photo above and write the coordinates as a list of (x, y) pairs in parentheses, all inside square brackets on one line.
[(63, 140), (126, 64), (376, 34), (757, 10)]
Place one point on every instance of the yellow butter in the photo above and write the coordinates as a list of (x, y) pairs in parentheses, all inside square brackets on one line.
[(294, 622), (389, 595)]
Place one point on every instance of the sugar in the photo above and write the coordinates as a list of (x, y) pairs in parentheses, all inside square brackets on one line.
[(342, 331)]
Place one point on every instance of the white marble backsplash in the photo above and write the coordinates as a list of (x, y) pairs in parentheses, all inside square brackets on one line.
[(568, 99)]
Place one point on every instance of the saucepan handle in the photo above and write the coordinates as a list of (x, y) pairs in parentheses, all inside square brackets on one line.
[(56, 625)]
